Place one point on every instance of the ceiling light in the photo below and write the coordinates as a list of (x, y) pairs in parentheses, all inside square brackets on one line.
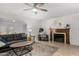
[(34, 9)]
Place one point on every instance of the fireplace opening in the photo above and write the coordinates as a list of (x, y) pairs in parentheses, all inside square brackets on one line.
[(59, 38)]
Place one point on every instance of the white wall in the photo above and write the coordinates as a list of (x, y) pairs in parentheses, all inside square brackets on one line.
[(73, 20), (8, 26)]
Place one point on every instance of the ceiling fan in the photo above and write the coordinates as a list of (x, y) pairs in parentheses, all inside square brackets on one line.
[(35, 7)]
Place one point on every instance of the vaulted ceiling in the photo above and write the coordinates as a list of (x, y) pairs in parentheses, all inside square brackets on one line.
[(15, 11)]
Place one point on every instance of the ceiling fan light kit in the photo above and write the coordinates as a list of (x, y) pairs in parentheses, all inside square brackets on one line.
[(34, 9)]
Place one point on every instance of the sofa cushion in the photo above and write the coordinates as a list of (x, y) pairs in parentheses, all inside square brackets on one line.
[(20, 37), (12, 37), (3, 40), (2, 44)]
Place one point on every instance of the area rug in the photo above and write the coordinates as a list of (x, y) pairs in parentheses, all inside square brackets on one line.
[(41, 49)]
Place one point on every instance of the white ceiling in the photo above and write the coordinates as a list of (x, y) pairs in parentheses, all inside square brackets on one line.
[(15, 11)]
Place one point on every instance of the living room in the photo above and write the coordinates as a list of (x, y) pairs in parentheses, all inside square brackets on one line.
[(39, 29)]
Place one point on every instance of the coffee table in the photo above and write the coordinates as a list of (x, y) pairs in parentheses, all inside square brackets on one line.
[(21, 48)]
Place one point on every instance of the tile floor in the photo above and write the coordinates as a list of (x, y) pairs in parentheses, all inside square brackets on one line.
[(64, 50)]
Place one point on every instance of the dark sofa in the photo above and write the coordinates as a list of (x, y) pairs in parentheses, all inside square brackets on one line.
[(11, 38)]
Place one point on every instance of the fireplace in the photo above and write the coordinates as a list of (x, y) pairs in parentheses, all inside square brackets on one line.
[(59, 37)]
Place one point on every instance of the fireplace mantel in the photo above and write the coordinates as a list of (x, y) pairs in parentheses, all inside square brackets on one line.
[(65, 31)]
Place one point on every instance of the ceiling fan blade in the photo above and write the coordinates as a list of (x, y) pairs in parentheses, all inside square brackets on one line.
[(27, 9), (28, 4), (40, 4), (42, 9)]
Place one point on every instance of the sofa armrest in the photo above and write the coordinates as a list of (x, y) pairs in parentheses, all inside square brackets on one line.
[(11, 42)]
